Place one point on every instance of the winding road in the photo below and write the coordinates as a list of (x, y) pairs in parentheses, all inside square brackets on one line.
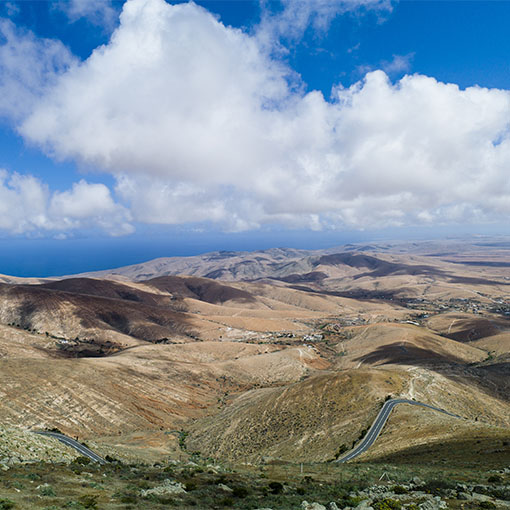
[(379, 423), (365, 444), (86, 452)]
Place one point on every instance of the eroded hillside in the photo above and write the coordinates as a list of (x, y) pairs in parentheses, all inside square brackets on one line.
[(289, 358)]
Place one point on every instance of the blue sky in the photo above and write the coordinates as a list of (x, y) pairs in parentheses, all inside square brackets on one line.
[(179, 129)]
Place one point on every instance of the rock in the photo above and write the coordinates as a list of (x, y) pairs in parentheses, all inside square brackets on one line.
[(418, 482), (433, 504), (480, 497), (4, 467), (365, 505), (464, 496), (168, 487), (333, 506), (312, 506), (224, 487)]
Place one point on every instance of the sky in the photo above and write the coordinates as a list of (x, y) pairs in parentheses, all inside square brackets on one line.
[(143, 128)]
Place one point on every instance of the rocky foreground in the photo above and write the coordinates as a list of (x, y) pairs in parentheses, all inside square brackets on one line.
[(202, 484)]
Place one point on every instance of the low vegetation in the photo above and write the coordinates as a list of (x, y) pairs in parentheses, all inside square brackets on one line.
[(276, 486)]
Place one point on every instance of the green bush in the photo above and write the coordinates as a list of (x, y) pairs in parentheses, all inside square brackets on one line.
[(128, 498), (487, 505), (342, 449), (191, 486), (494, 479), (240, 492), (83, 461), (6, 504), (398, 489), (48, 491), (437, 486), (275, 487), (88, 501), (387, 504)]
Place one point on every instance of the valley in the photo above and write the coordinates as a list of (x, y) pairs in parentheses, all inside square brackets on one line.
[(276, 356)]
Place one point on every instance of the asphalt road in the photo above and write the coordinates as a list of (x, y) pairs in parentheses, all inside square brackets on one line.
[(86, 452), (379, 423)]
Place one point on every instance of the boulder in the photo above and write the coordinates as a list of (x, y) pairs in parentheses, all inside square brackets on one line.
[(435, 503), (365, 505), (312, 506), (168, 487)]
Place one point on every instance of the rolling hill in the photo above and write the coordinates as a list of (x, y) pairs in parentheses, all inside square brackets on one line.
[(281, 354)]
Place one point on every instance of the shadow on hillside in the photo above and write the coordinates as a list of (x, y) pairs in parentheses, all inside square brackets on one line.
[(397, 353), (79, 322), (491, 378), (481, 450)]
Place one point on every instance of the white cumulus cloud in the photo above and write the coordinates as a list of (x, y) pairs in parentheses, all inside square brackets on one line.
[(198, 123), (29, 66), (28, 206)]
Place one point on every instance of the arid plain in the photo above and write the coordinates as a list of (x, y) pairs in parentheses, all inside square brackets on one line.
[(279, 355)]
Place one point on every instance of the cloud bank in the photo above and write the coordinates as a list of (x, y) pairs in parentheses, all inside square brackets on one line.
[(27, 206), (198, 122)]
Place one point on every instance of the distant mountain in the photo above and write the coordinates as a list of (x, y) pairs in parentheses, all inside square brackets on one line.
[(220, 265), (349, 268)]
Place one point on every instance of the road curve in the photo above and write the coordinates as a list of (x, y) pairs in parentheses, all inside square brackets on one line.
[(86, 452), (379, 423)]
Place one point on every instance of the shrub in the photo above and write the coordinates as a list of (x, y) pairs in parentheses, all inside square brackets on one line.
[(342, 449), (83, 461), (48, 491), (88, 501), (438, 485), (494, 479), (240, 492), (6, 504), (128, 498), (398, 489), (275, 487), (387, 504), (487, 505)]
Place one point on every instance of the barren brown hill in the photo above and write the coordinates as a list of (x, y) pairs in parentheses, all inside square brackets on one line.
[(450, 262), (221, 265), (289, 357), (468, 327), (308, 419)]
